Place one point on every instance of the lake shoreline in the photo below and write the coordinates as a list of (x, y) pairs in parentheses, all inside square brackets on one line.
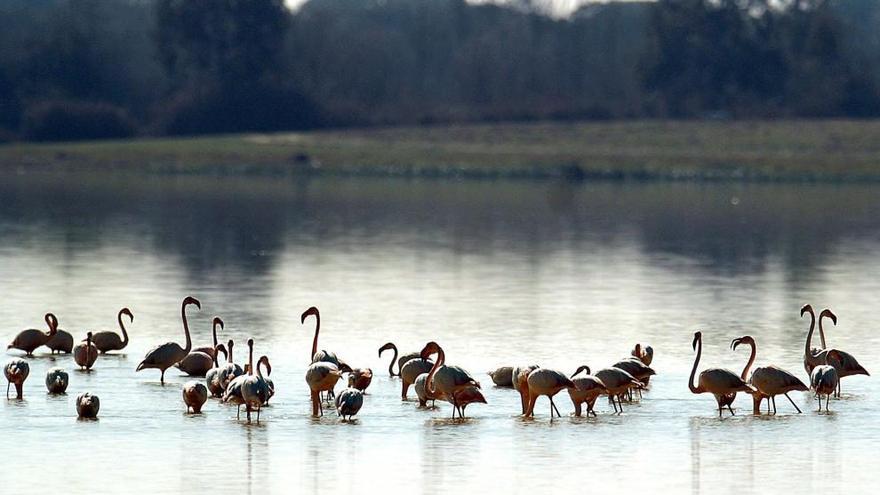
[(709, 151)]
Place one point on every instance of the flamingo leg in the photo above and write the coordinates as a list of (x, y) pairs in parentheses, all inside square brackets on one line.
[(731, 409), (7, 389), (162, 378), (621, 405), (553, 405), (577, 410), (792, 403), (838, 389), (404, 388), (259, 408)]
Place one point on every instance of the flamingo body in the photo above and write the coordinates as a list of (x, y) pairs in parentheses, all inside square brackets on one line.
[(502, 377), (349, 402), (16, 371), (194, 396), (57, 380), (87, 406), (545, 381)]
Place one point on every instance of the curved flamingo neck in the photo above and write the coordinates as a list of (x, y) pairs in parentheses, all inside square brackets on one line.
[(822, 330), (185, 328), (250, 359), (263, 361), (745, 372), (810, 333), (393, 360), (52, 322), (214, 334), (317, 331), (229, 357), (441, 360), (695, 389), (122, 327)]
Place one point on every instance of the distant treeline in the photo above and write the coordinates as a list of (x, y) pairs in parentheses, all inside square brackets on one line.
[(80, 69)]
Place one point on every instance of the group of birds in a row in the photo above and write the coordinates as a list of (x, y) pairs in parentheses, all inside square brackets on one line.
[(432, 379)]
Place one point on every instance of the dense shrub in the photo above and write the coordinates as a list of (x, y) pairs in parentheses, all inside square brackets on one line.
[(73, 120)]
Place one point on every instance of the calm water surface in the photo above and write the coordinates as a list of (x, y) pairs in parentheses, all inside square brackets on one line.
[(498, 273)]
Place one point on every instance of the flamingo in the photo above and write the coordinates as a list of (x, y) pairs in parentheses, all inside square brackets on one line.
[(411, 370), (770, 381), (646, 356), (421, 386), (349, 402), (85, 354), (61, 341), (233, 394), (168, 354), (617, 383), (57, 380), (400, 362), (544, 381), (635, 367), (87, 406), (321, 376), (28, 340), (194, 396), (849, 365), (824, 378), (230, 370), (586, 390), (717, 381), (444, 381), (360, 378), (196, 363), (265, 361), (322, 355), (502, 377), (110, 341), (519, 377), (212, 377), (811, 354), (254, 389), (468, 395), (16, 371)]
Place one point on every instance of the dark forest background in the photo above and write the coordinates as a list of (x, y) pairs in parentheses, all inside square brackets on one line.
[(81, 69)]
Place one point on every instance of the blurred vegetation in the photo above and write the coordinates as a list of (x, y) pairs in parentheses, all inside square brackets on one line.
[(84, 69)]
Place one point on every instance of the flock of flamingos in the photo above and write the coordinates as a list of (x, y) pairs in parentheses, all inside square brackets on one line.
[(431, 379)]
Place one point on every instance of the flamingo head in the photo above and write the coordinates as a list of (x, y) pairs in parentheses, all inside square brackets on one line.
[(829, 314), (217, 322), (265, 360), (806, 309), (344, 368), (250, 342), (581, 368), (52, 321), (430, 348), (385, 347), (191, 300), (746, 339), (313, 311), (222, 348), (697, 337), (126, 311), (230, 344)]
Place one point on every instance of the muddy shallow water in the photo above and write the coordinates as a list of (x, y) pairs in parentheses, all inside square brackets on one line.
[(499, 273)]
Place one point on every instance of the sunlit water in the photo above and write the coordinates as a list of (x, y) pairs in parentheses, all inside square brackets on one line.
[(498, 273)]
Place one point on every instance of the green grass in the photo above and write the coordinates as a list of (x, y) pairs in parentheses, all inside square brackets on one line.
[(782, 150)]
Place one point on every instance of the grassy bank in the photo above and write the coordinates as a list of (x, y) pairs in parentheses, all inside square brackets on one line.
[(787, 150)]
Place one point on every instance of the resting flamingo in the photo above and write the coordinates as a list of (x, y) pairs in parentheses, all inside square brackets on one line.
[(212, 377), (85, 354), (849, 365), (770, 381), (400, 362), (194, 396), (254, 389), (57, 380), (170, 353), (110, 341), (349, 402), (586, 390), (444, 381), (646, 356), (502, 377), (28, 340), (16, 371), (545, 381), (87, 406), (360, 378), (716, 381)]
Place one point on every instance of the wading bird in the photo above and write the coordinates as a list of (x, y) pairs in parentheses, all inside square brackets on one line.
[(321, 377), (411, 370), (849, 365), (254, 389), (770, 381), (194, 396), (265, 361), (28, 340), (349, 402), (212, 377), (110, 341), (400, 362), (87, 406), (61, 341), (544, 381), (57, 380), (170, 353), (421, 387), (360, 378), (322, 355), (444, 381), (16, 371), (635, 367), (617, 383), (502, 377), (468, 395), (646, 356), (824, 378), (519, 376), (230, 370), (586, 390), (85, 354), (716, 381)]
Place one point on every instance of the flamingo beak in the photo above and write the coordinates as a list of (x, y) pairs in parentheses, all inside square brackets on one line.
[(807, 308)]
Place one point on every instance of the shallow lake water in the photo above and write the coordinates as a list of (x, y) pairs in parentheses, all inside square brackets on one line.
[(498, 273)]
